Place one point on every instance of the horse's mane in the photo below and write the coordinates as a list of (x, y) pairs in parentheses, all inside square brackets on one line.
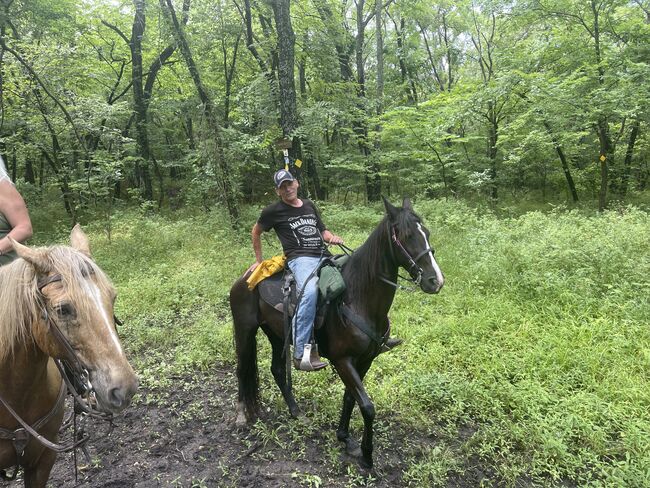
[(365, 265), (19, 294)]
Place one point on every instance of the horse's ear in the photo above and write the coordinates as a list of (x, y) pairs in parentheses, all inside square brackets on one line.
[(79, 240), (390, 209), (406, 204), (36, 257)]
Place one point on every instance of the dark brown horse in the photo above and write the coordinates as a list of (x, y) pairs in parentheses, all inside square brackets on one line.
[(54, 303), (353, 335)]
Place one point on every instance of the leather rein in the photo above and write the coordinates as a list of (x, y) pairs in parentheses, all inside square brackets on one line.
[(80, 382)]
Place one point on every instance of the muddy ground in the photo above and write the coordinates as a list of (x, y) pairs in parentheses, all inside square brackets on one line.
[(188, 438)]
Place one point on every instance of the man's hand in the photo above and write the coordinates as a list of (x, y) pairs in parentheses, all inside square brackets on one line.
[(252, 267), (331, 238)]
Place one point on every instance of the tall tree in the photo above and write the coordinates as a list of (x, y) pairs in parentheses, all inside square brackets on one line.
[(226, 183)]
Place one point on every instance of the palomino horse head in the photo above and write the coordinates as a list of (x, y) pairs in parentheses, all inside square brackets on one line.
[(411, 248), (77, 298)]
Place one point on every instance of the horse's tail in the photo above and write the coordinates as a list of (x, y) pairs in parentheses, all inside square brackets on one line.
[(244, 307)]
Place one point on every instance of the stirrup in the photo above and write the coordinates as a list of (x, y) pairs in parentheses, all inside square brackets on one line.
[(310, 360)]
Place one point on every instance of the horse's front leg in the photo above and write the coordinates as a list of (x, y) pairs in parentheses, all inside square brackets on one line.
[(343, 431), (37, 474), (352, 377)]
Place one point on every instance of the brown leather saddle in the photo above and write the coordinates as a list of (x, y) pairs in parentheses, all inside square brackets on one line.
[(271, 290)]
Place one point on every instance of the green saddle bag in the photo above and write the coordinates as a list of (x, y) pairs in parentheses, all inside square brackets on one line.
[(330, 283)]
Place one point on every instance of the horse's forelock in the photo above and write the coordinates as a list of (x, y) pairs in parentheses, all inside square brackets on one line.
[(75, 269), (405, 223)]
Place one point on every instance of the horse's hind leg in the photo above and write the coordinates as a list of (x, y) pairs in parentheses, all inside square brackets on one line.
[(279, 371), (247, 374)]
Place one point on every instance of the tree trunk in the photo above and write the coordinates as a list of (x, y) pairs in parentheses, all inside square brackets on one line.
[(208, 108), (563, 160), (407, 81), (605, 141), (372, 177), (142, 139), (286, 82), (627, 166), (432, 61), (493, 135)]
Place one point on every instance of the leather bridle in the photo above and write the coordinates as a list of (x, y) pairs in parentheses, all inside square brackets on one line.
[(79, 387), (414, 270)]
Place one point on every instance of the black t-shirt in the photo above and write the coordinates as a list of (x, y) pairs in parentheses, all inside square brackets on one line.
[(298, 228)]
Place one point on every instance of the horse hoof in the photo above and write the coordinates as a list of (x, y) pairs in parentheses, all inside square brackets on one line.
[(365, 465), (240, 420), (296, 413), (354, 452), (352, 448)]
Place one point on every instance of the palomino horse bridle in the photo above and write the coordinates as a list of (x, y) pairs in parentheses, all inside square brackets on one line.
[(73, 372), (79, 387)]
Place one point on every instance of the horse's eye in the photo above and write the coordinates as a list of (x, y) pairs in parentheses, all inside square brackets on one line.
[(65, 311)]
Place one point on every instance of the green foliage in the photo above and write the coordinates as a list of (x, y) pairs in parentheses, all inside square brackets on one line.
[(478, 99)]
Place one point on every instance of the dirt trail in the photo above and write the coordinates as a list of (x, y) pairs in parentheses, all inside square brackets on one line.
[(189, 439)]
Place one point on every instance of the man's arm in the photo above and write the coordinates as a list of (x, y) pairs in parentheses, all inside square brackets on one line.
[(331, 238)]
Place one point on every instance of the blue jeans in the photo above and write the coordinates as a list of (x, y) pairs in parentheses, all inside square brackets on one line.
[(303, 320)]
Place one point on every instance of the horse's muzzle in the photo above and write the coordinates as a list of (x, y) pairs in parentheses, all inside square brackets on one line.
[(115, 397), (431, 285), (120, 397)]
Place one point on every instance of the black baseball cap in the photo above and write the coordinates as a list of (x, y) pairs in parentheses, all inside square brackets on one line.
[(280, 176)]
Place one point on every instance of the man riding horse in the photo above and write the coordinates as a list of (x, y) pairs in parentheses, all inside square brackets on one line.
[(302, 233)]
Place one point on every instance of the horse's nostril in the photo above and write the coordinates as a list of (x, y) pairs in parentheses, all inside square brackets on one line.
[(435, 284), (117, 397)]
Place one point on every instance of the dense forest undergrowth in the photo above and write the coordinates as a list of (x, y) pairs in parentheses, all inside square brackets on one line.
[(533, 360)]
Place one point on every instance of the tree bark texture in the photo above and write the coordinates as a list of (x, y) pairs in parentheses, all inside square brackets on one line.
[(137, 33), (627, 166), (286, 60)]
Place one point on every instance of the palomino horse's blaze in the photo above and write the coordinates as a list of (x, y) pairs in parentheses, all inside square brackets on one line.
[(400, 240), (58, 287)]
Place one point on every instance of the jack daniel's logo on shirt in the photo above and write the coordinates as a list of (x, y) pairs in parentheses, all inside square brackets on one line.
[(305, 230), (303, 221)]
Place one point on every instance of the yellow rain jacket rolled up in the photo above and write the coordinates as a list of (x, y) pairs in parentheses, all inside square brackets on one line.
[(266, 268)]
